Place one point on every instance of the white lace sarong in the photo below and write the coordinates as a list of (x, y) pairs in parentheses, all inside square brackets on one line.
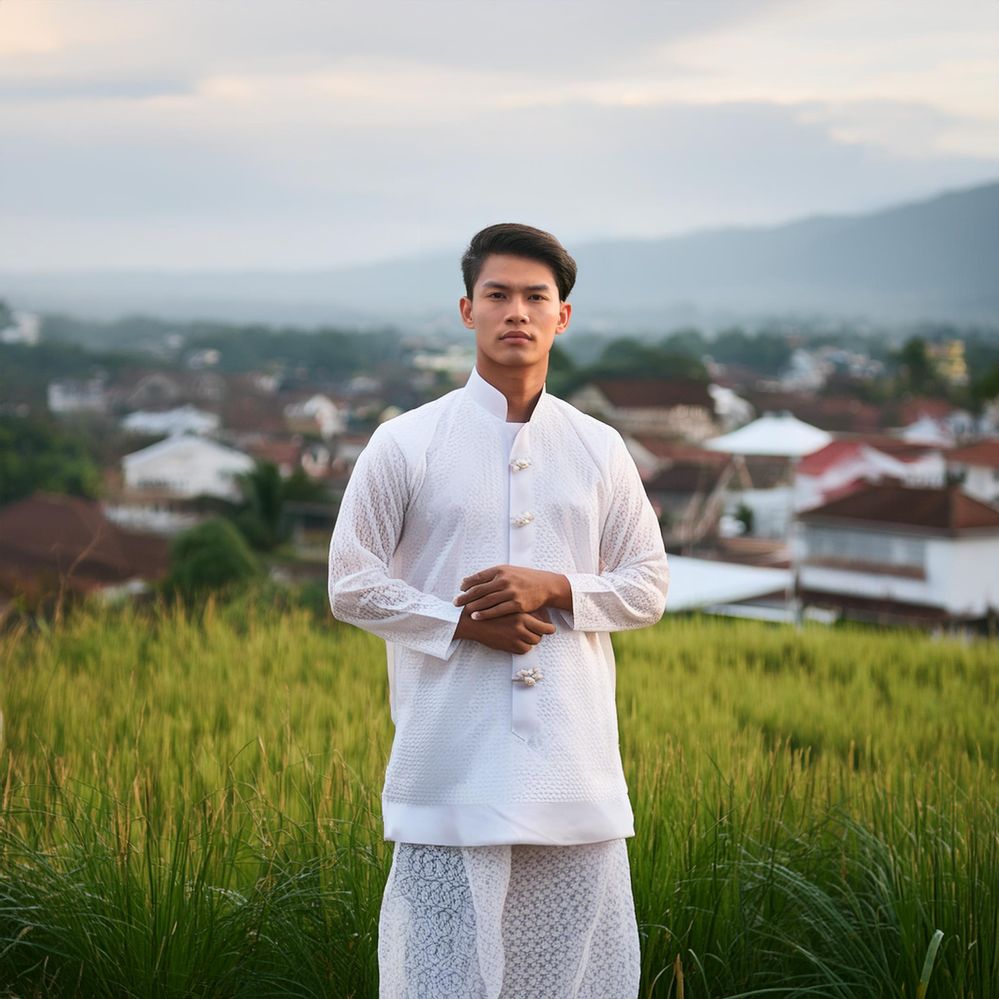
[(509, 922)]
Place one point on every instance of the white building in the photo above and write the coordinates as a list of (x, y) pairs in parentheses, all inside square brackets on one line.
[(890, 553), (187, 466), (77, 397), (978, 467), (182, 420), (317, 414)]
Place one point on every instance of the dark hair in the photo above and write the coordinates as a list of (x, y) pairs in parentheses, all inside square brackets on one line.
[(519, 241)]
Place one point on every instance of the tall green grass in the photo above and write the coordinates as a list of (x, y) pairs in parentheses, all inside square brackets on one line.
[(190, 808)]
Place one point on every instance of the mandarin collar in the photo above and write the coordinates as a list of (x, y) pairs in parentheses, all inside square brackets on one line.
[(490, 398)]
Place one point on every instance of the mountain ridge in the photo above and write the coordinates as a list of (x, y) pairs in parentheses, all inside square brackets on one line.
[(933, 258)]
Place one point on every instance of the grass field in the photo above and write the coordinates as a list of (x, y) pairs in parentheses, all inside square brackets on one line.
[(190, 807)]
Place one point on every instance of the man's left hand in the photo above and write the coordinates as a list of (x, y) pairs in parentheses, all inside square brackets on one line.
[(513, 589)]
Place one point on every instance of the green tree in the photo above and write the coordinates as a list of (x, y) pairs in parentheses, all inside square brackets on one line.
[(37, 455), (262, 517), (212, 556), (985, 388), (917, 369)]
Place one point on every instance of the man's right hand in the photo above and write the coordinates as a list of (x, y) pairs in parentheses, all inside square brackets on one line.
[(515, 633)]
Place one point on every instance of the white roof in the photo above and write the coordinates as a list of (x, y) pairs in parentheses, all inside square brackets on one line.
[(781, 435), (190, 447), (928, 431), (172, 421), (698, 582)]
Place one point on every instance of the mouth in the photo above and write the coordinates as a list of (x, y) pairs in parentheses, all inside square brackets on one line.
[(516, 336)]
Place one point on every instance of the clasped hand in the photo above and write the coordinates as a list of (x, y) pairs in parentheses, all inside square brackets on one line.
[(504, 606)]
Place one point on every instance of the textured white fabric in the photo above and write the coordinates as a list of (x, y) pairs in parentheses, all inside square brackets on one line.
[(437, 495), (509, 922)]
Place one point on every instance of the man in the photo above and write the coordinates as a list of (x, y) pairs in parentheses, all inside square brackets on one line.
[(494, 538)]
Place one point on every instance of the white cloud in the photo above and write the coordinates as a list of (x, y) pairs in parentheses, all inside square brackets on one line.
[(239, 132)]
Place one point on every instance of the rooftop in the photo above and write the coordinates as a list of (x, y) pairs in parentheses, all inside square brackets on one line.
[(948, 510), (654, 393), (66, 535), (984, 453)]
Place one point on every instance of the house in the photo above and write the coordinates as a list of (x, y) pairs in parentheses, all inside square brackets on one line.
[(895, 554), (775, 441), (977, 465), (182, 420), (847, 465), (185, 466), (929, 432), (317, 415), (658, 407), (285, 454), (834, 413), (50, 544), (71, 396), (158, 390)]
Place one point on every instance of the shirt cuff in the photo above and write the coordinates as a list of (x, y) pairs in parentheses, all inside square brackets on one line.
[(580, 585), (447, 643)]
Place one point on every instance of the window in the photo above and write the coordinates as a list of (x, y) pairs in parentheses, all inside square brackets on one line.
[(865, 550)]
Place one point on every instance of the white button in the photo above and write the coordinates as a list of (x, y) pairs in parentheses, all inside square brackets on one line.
[(519, 464), (523, 520)]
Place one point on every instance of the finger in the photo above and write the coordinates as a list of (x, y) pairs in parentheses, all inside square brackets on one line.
[(497, 610), (492, 599), (475, 592), (480, 577), (538, 626)]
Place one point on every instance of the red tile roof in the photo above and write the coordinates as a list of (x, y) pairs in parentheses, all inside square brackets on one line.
[(654, 393), (901, 450), (825, 458), (848, 446), (279, 452), (984, 453), (911, 410), (833, 413), (48, 534), (948, 510)]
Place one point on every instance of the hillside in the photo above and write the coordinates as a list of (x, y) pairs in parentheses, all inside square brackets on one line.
[(934, 259)]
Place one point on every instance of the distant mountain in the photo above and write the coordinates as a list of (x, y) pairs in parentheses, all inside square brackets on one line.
[(932, 259)]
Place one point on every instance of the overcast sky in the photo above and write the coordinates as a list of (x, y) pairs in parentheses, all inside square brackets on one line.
[(186, 134)]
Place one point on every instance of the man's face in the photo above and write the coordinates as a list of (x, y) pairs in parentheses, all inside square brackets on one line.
[(515, 312)]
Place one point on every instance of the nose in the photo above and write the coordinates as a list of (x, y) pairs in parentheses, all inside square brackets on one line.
[(517, 312)]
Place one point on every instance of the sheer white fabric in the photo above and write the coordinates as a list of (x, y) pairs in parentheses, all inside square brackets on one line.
[(439, 493), (509, 922)]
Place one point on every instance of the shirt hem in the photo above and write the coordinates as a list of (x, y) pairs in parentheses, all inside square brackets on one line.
[(544, 823)]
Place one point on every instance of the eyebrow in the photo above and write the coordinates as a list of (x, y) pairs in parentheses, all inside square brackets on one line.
[(506, 287)]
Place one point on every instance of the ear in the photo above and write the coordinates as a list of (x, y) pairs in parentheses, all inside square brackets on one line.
[(564, 312), (465, 308)]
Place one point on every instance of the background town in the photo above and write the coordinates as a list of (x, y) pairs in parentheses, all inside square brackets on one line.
[(802, 465)]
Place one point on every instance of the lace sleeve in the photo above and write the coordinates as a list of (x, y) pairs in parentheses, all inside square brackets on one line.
[(630, 590), (361, 590)]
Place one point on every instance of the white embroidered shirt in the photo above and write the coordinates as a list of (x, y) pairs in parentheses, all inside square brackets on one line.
[(480, 757)]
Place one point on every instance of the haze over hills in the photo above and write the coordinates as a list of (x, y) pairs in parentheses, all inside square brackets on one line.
[(932, 259)]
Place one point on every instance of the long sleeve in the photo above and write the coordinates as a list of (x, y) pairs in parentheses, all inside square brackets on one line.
[(361, 589), (630, 590)]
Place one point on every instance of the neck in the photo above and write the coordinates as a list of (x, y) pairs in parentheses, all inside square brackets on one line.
[(521, 386)]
